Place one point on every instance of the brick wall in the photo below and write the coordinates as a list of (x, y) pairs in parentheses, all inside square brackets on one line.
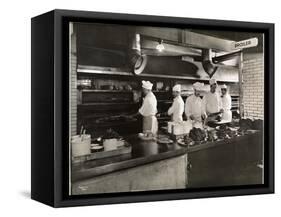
[(73, 83), (253, 85)]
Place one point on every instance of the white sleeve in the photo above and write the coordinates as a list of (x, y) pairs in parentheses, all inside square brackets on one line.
[(203, 108), (147, 108), (181, 107), (187, 107), (228, 102), (204, 104)]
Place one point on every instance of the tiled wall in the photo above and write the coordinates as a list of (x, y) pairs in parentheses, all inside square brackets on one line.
[(253, 86), (73, 89)]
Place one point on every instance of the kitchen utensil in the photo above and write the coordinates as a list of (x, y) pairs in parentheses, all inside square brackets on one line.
[(182, 142), (165, 141), (81, 130), (185, 141), (83, 135), (94, 144)]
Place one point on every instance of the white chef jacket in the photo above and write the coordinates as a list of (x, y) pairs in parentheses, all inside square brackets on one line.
[(212, 102), (149, 105), (226, 105), (177, 109), (194, 106), (148, 110)]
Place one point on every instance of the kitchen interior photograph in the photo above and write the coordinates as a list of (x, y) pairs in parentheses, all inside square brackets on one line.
[(154, 108)]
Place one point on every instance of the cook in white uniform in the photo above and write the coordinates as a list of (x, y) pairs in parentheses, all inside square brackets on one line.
[(194, 109), (226, 104), (177, 108), (212, 99), (148, 109)]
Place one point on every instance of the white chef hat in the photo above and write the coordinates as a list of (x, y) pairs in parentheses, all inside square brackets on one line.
[(177, 88), (198, 85), (213, 81), (147, 85), (223, 86)]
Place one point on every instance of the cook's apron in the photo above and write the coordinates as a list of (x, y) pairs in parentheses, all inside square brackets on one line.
[(227, 116), (150, 124), (177, 118)]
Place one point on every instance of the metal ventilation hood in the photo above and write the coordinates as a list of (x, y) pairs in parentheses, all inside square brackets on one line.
[(187, 55)]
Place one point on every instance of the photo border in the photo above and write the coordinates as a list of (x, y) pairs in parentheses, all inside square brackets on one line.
[(61, 97)]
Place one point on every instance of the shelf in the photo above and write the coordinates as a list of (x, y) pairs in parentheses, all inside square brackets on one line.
[(86, 69), (160, 91), (107, 103), (106, 91)]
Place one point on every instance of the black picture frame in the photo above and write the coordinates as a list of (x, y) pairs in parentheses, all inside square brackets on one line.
[(49, 108)]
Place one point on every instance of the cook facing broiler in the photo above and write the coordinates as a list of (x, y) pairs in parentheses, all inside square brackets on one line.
[(177, 108), (194, 109), (148, 109), (226, 104)]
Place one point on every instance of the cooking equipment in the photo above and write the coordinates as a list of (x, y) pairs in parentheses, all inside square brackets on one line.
[(146, 136), (104, 154), (97, 148), (84, 83), (179, 128), (107, 87), (81, 145), (110, 144), (186, 141), (164, 140), (123, 118), (104, 109)]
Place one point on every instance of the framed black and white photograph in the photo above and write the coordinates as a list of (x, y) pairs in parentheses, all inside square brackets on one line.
[(136, 108)]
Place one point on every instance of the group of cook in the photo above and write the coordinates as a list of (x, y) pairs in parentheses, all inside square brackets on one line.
[(196, 109)]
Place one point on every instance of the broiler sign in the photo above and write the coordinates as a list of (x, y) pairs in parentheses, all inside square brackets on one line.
[(252, 42)]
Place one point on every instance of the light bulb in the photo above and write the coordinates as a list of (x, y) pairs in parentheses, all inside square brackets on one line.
[(160, 47)]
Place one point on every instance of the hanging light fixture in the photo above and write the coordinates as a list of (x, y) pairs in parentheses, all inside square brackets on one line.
[(160, 47)]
